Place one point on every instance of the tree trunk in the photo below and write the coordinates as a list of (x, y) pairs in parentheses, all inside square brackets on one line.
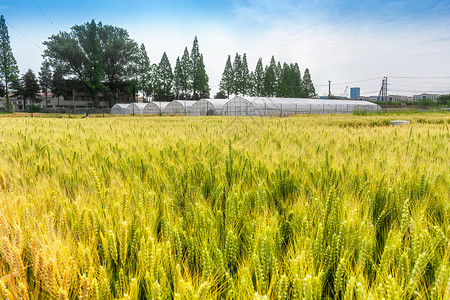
[(94, 96), (7, 94)]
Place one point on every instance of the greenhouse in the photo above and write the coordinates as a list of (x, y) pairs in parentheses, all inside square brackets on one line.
[(155, 108), (119, 108), (238, 106), (135, 108), (179, 107), (208, 107), (266, 106)]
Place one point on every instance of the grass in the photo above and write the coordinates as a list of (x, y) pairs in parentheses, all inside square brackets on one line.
[(306, 207)]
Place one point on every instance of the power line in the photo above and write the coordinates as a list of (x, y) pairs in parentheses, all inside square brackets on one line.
[(349, 82), (414, 77), (24, 36), (422, 91), (43, 12), (418, 86)]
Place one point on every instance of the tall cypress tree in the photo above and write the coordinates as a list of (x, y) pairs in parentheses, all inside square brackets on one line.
[(278, 75), (227, 83), (8, 65), (164, 79), (144, 72), (284, 82), (245, 83), (185, 75), (270, 79), (177, 72), (195, 59), (204, 89), (308, 85), (237, 74), (296, 81), (200, 79), (251, 88), (258, 79)]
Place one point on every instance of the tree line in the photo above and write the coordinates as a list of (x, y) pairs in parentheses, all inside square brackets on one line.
[(104, 59), (273, 80)]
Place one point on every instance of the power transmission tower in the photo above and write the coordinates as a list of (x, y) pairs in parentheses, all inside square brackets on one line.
[(383, 94)]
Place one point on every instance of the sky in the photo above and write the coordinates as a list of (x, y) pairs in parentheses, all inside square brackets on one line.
[(352, 43)]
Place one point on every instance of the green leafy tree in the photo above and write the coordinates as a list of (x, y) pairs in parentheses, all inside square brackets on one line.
[(80, 52), (200, 86), (123, 58), (270, 79), (8, 65), (308, 86), (164, 80), (58, 85), (221, 95), (17, 88), (30, 87), (227, 83), (94, 53), (258, 79), (45, 79)]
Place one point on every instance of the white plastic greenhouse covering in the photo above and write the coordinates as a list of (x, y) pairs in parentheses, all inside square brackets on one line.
[(179, 107), (155, 108), (266, 106), (238, 106), (119, 108), (136, 108), (208, 107)]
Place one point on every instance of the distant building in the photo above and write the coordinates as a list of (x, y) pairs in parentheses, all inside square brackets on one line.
[(369, 98), (333, 97), (76, 95), (397, 98), (355, 92), (426, 96)]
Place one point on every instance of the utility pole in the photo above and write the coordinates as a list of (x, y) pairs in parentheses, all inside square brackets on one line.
[(329, 88), (383, 94)]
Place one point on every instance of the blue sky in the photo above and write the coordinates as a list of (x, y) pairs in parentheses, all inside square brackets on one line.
[(343, 41)]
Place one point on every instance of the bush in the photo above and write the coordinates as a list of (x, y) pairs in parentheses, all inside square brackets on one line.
[(427, 102), (444, 99), (33, 108), (360, 112)]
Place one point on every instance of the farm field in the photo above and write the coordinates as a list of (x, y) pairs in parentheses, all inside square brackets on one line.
[(307, 207)]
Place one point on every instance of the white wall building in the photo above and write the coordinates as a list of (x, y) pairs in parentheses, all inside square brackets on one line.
[(397, 98), (426, 96)]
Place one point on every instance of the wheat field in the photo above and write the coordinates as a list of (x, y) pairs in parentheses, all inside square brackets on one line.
[(307, 207)]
